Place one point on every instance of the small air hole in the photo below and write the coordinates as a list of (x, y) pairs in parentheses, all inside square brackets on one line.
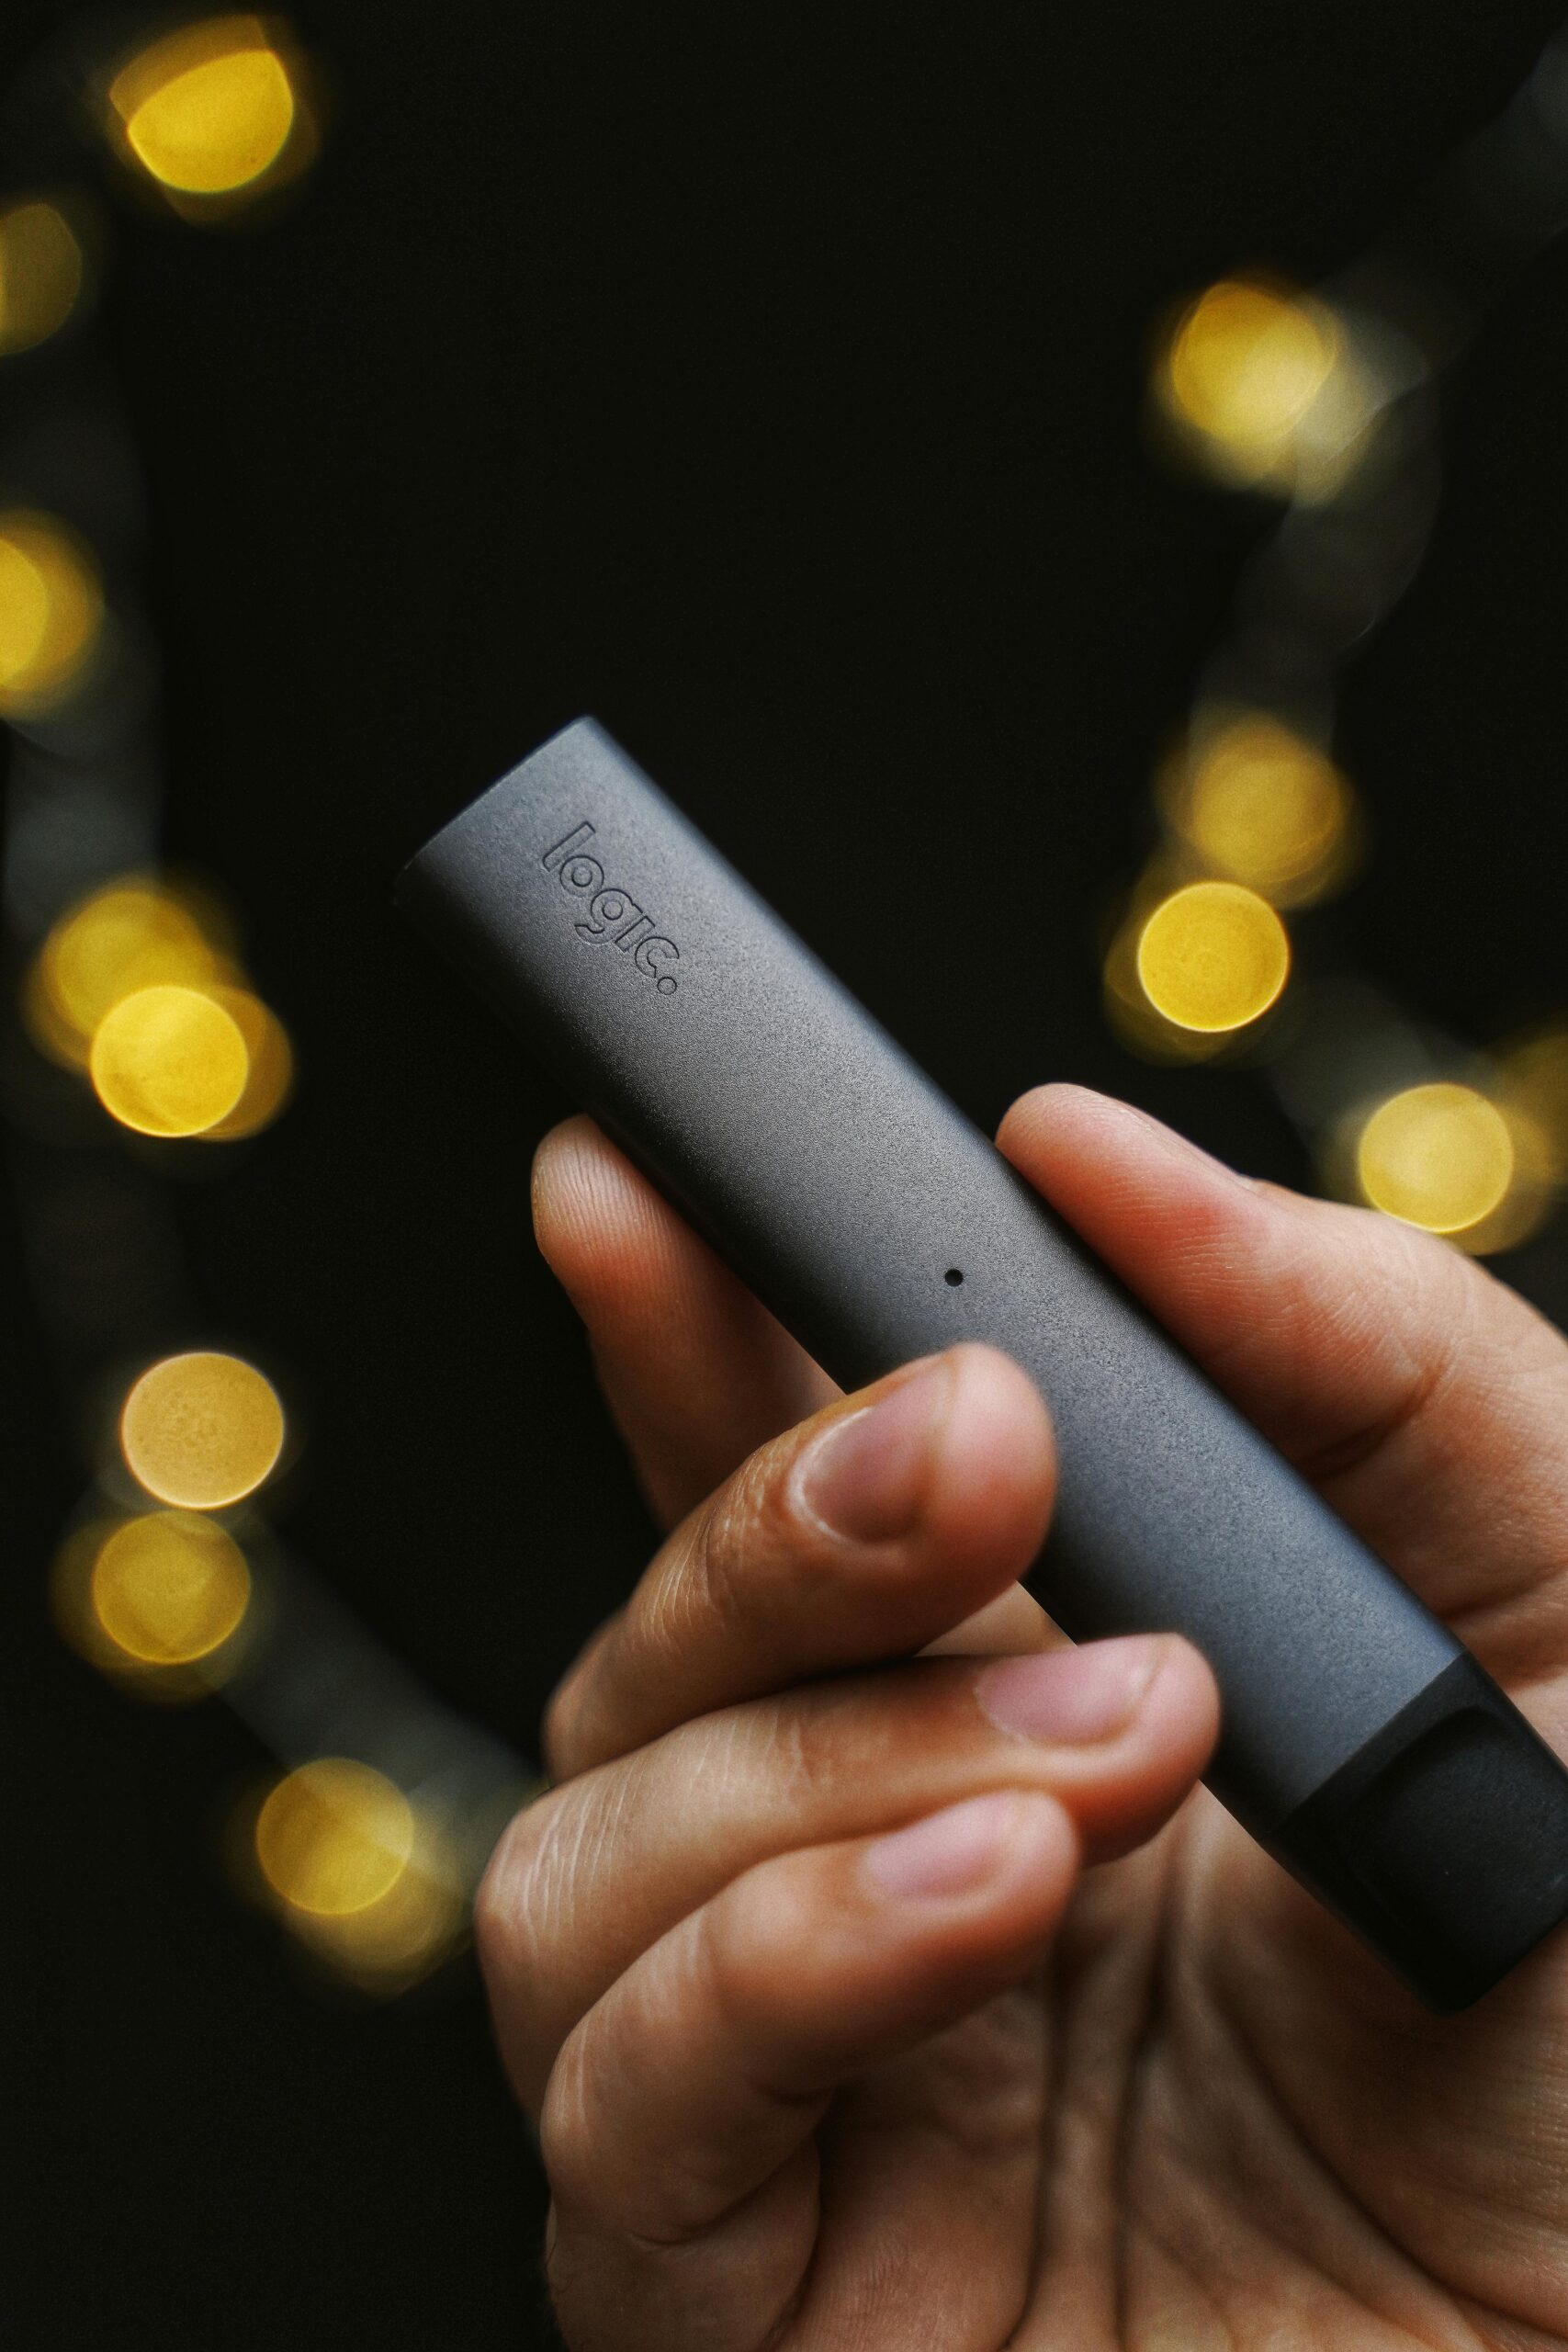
[(953, 1276)]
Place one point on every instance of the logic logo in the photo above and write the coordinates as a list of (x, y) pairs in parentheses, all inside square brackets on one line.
[(610, 912)]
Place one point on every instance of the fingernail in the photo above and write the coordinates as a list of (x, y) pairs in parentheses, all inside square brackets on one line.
[(949, 1850), (866, 1472), (1070, 1694)]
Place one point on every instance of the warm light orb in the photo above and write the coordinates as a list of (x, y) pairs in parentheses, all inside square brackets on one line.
[(1264, 807), (1212, 956), (334, 1837), (201, 1429), (131, 934), (1270, 388), (50, 610), (395, 1941), (270, 1067), (169, 1587), (1247, 362), (168, 1061), (1533, 1089), (1438, 1156), (41, 274), (209, 109)]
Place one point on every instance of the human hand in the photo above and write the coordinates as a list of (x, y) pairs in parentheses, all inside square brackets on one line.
[(870, 1996)]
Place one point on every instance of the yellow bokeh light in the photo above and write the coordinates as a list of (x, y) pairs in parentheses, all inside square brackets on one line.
[(1133, 1018), (210, 108), (1440, 1155), (1533, 1089), (135, 933), (269, 1066), (1212, 956), (201, 1429), (334, 1837), (1267, 387), (400, 1936), (165, 1614), (41, 274), (51, 612), (169, 1061), (1259, 804), (169, 1587), (1247, 360)]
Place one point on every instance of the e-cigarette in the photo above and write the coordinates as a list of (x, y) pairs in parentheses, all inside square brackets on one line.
[(1361, 1743)]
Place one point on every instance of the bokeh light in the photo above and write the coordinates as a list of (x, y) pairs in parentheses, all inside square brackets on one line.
[(1440, 1156), (334, 1838), (1532, 1089), (169, 1587), (201, 1430), (210, 109), (1245, 364), (1258, 804), (42, 273), (161, 1603), (135, 933), (1127, 1008), (269, 1070), (169, 1061), (1212, 956), (165, 1066), (1264, 386), (51, 609), (387, 1945)]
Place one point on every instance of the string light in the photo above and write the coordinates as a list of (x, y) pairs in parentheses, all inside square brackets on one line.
[(209, 110), (1257, 803), (202, 1430), (138, 983), (1532, 1091), (1440, 1155), (1212, 956), (1245, 364), (131, 933), (169, 1588), (1324, 399), (169, 1061), (1143, 1029), (1266, 387), (137, 986), (334, 1838), (41, 274), (269, 1066), (51, 612), (391, 1943)]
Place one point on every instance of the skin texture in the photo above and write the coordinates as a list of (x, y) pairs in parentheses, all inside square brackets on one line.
[(1116, 2081)]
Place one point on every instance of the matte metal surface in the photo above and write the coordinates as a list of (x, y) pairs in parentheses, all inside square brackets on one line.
[(847, 1190)]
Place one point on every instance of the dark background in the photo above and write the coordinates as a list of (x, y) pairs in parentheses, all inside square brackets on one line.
[(767, 382)]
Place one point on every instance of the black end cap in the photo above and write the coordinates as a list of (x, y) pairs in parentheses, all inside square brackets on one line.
[(1444, 1843)]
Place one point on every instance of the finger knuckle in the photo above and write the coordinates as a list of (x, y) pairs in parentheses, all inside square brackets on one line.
[(557, 1725), (730, 1937), (750, 1528), (569, 2133), (565, 1729), (523, 1910)]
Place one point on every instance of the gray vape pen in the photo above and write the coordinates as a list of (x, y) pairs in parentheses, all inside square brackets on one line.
[(1362, 1744)]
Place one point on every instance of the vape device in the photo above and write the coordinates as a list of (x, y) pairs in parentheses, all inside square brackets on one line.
[(1361, 1743)]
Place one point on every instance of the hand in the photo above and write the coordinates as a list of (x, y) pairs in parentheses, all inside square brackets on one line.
[(874, 1990)]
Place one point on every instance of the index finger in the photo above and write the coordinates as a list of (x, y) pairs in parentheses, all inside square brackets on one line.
[(863, 1534), (696, 1371)]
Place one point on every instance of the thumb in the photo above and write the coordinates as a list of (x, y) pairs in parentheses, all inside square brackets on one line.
[(1426, 1402)]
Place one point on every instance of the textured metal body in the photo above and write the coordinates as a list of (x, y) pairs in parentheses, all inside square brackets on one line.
[(877, 1223)]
